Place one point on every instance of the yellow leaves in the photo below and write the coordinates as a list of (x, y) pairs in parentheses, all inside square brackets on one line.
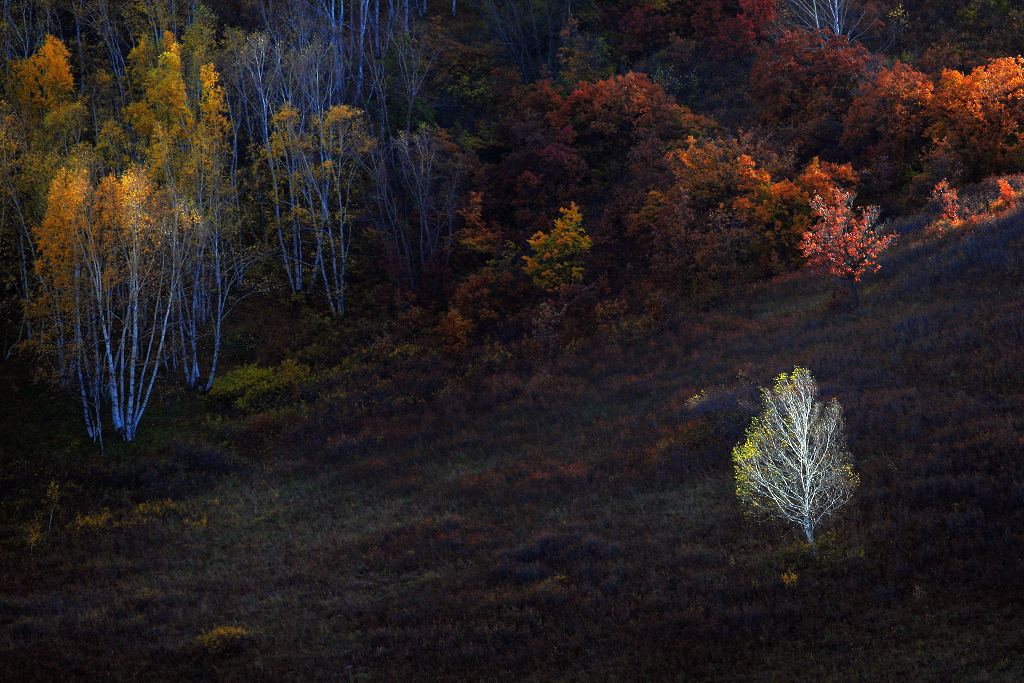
[(343, 130), (558, 254), (164, 107), (223, 639), (284, 134), (212, 104)]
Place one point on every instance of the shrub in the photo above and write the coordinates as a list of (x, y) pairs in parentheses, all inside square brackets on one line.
[(252, 387)]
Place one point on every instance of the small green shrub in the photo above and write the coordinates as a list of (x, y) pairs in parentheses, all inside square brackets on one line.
[(252, 387)]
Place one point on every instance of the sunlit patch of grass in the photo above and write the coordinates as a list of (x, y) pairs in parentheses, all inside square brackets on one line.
[(224, 640)]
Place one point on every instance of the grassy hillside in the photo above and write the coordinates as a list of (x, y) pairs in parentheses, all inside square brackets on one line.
[(396, 513)]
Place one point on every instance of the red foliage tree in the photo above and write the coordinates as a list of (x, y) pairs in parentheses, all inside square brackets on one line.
[(949, 200), (732, 26), (621, 127), (842, 244), (537, 167), (613, 118), (803, 82), (779, 211)]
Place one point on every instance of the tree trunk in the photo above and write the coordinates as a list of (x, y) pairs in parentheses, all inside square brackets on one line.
[(810, 538)]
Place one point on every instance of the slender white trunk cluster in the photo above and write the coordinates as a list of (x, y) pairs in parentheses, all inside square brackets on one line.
[(417, 183), (528, 30), (842, 17), (110, 269), (365, 56), (324, 156)]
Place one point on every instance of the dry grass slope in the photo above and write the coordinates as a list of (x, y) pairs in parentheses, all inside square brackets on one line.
[(408, 516)]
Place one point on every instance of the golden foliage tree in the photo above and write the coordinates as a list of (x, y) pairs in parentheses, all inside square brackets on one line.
[(558, 255)]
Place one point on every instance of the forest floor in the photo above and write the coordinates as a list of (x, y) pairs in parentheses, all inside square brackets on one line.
[(402, 514)]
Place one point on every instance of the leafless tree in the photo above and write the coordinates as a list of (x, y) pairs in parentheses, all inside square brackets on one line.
[(843, 17), (793, 463), (528, 30), (417, 190)]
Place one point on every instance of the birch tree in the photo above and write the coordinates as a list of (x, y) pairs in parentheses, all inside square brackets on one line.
[(842, 17), (793, 463), (417, 182), (325, 162), (40, 123)]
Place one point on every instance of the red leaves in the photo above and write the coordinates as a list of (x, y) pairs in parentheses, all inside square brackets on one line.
[(732, 27), (609, 115), (803, 81), (947, 197), (842, 244), (885, 125)]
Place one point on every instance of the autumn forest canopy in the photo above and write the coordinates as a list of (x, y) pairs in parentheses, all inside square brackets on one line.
[(163, 160)]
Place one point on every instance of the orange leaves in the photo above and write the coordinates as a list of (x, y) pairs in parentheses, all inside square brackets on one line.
[(718, 178), (43, 81), (961, 125), (42, 90), (67, 218), (611, 116), (885, 125), (981, 115), (1007, 199), (948, 199), (477, 235)]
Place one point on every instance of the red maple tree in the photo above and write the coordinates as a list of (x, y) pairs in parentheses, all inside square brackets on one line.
[(841, 243)]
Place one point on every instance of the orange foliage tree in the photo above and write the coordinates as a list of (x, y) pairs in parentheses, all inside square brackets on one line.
[(843, 244), (613, 120), (979, 116), (779, 211), (885, 126)]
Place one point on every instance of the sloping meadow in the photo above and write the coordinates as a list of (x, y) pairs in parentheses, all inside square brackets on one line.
[(500, 518)]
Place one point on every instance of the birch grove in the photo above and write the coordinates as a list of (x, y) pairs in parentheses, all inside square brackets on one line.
[(109, 264), (128, 244)]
